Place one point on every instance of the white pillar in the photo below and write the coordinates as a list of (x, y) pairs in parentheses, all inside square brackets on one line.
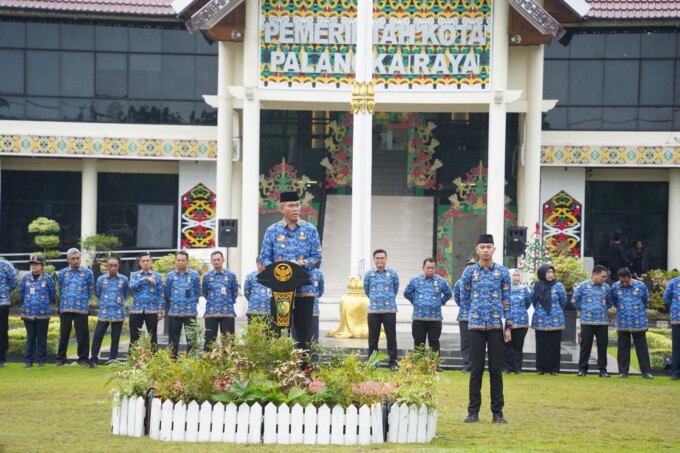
[(225, 131), (674, 218), (362, 150), (497, 112), (530, 208), (88, 200), (250, 217)]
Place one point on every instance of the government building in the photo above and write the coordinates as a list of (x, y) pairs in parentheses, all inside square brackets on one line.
[(410, 125)]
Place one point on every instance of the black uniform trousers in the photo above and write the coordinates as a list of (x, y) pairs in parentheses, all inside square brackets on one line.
[(675, 357), (464, 344), (212, 325), (430, 330), (587, 334), (79, 320), (138, 320), (4, 332), (641, 350), (480, 342), (514, 351), (175, 324), (99, 332), (389, 322), (548, 350)]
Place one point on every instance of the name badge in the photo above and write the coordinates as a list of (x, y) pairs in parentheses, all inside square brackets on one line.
[(31, 291), (224, 291)]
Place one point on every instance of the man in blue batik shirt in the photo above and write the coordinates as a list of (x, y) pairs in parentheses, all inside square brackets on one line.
[(111, 290), (8, 281), (76, 286), (220, 289), (427, 292), (258, 296), (148, 301), (486, 289), (381, 285), (630, 297), (671, 297), (182, 288), (293, 239), (463, 313), (592, 298)]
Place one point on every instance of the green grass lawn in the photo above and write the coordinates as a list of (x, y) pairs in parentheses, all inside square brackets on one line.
[(69, 409)]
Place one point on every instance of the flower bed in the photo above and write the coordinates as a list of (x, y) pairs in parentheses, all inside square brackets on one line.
[(250, 388)]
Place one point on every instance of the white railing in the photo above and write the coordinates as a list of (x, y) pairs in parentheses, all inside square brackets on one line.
[(179, 422)]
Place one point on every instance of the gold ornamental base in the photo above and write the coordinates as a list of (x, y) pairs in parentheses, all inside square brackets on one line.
[(353, 312)]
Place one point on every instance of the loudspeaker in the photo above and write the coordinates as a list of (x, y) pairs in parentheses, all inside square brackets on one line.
[(517, 241), (227, 233)]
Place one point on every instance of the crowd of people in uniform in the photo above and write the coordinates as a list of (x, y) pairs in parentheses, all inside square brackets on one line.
[(492, 301)]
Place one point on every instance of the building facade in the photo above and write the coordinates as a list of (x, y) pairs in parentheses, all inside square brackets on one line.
[(119, 120)]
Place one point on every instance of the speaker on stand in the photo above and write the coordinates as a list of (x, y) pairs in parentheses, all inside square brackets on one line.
[(517, 241), (227, 234)]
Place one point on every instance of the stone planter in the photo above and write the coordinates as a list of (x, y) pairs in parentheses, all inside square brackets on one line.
[(170, 421)]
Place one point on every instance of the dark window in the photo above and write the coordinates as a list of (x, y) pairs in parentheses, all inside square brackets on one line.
[(105, 72), (613, 80)]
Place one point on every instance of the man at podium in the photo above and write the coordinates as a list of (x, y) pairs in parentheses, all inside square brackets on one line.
[(295, 240)]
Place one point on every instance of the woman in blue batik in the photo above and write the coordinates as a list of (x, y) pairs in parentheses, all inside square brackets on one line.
[(548, 298), (520, 300)]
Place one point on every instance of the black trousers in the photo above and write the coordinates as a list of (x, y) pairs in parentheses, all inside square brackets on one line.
[(430, 330), (548, 350), (587, 334), (79, 320), (514, 351), (675, 357), (212, 325), (138, 320), (4, 332), (480, 342), (175, 324), (641, 350), (389, 322), (464, 345), (36, 340), (99, 332)]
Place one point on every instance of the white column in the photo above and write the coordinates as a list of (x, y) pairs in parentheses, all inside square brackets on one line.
[(674, 218), (88, 200), (530, 208), (250, 217), (497, 112), (225, 131), (362, 151)]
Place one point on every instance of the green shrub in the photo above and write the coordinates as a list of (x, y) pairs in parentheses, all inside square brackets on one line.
[(656, 341), (660, 279), (656, 357), (17, 341), (663, 332), (166, 263)]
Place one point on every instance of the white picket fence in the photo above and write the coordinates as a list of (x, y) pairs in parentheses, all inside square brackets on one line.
[(272, 425)]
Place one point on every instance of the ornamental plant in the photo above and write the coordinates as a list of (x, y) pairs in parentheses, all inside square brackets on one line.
[(47, 238), (660, 279)]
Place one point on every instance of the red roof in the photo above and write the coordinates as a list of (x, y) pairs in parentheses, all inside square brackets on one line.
[(126, 7), (633, 10)]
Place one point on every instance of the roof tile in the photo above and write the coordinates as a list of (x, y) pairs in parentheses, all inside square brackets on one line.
[(131, 7), (631, 10)]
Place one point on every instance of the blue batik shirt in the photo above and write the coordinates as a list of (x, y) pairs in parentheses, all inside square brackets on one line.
[(427, 296), (671, 297), (257, 295), (555, 320), (487, 292), (181, 292), (520, 300), (8, 281), (593, 301), (220, 290), (75, 289), (464, 310), (318, 282), (36, 295), (112, 292), (300, 244), (381, 288), (146, 297), (630, 303)]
